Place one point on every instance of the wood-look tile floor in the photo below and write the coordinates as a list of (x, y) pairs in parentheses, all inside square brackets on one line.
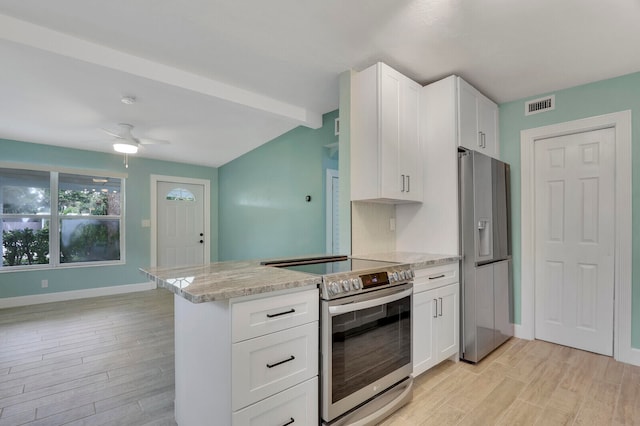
[(100, 361), (109, 361), (526, 383)]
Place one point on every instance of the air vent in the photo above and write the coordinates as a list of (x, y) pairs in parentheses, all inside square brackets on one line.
[(536, 106)]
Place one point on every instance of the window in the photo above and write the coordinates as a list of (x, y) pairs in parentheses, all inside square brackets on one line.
[(54, 218), (180, 194)]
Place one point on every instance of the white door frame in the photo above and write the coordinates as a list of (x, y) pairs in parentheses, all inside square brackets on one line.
[(331, 173), (154, 212), (621, 122)]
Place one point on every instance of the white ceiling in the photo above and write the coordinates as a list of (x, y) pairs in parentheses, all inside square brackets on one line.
[(220, 77)]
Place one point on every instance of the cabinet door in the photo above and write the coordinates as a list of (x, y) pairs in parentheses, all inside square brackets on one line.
[(390, 90), (468, 135), (409, 159), (424, 315), (488, 126), (448, 329)]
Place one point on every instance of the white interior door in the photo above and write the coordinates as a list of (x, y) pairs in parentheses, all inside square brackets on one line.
[(180, 211), (574, 240)]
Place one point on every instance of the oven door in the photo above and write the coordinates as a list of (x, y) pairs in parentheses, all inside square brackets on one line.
[(366, 347)]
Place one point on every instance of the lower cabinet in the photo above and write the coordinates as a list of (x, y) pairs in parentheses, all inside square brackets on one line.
[(295, 406), (252, 360), (436, 310)]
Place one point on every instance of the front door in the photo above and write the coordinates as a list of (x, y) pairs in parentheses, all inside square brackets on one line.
[(181, 239), (574, 240)]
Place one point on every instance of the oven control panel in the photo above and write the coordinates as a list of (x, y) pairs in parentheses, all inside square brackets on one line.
[(333, 287)]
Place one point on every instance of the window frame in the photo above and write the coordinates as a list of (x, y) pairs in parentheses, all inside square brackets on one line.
[(55, 217)]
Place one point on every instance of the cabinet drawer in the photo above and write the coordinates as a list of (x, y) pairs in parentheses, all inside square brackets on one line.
[(296, 406), (269, 364), (435, 276), (258, 317)]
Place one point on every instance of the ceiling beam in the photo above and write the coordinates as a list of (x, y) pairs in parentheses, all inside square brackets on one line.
[(25, 33)]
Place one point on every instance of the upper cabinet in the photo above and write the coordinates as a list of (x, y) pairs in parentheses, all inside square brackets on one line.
[(477, 120), (386, 163)]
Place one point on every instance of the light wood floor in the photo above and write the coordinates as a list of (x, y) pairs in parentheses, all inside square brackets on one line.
[(526, 383), (106, 360), (109, 361)]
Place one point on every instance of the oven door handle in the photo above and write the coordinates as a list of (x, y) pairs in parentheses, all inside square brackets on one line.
[(351, 307)]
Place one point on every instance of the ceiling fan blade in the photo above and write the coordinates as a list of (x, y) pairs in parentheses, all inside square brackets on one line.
[(110, 133), (147, 141)]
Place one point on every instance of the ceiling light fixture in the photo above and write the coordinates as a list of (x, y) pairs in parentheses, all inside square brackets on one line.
[(125, 147)]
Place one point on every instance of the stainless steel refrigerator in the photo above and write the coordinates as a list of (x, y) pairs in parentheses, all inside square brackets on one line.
[(485, 243)]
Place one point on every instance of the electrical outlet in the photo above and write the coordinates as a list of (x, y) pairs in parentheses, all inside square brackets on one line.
[(45, 283), (392, 224)]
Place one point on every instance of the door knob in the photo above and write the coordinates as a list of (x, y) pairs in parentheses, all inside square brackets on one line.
[(201, 234), (201, 241)]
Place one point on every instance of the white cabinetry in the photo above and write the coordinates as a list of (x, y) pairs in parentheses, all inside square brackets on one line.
[(385, 147), (477, 120), (247, 361), (452, 114), (435, 316)]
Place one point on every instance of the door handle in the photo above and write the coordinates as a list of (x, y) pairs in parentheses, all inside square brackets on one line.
[(402, 190), (435, 315), (408, 183), (440, 298)]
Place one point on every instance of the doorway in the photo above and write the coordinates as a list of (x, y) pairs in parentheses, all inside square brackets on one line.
[(620, 124), (332, 189), (180, 221)]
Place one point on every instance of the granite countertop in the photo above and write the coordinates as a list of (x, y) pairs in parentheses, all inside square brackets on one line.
[(224, 280), (415, 260)]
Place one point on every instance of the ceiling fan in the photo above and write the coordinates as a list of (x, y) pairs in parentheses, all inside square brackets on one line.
[(126, 143)]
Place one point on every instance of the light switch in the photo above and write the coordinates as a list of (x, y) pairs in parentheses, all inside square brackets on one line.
[(146, 223)]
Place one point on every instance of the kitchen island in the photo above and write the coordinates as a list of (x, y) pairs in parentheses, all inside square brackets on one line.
[(246, 340), (246, 343)]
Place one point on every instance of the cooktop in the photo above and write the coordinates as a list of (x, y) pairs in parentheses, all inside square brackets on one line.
[(343, 276)]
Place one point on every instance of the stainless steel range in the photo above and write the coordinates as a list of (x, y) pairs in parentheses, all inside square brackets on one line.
[(365, 337)]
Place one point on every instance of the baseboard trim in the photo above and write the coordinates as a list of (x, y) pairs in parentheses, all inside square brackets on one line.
[(522, 332), (630, 356), (12, 302)]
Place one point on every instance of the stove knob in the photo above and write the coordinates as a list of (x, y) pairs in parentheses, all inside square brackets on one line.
[(393, 276), (410, 273), (345, 285), (355, 284), (334, 288)]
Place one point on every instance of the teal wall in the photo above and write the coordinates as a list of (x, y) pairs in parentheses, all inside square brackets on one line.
[(603, 97), (22, 283), (263, 212)]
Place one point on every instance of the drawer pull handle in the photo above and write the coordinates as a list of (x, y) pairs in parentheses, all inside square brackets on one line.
[(289, 422), (291, 358), (436, 277), (290, 311)]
